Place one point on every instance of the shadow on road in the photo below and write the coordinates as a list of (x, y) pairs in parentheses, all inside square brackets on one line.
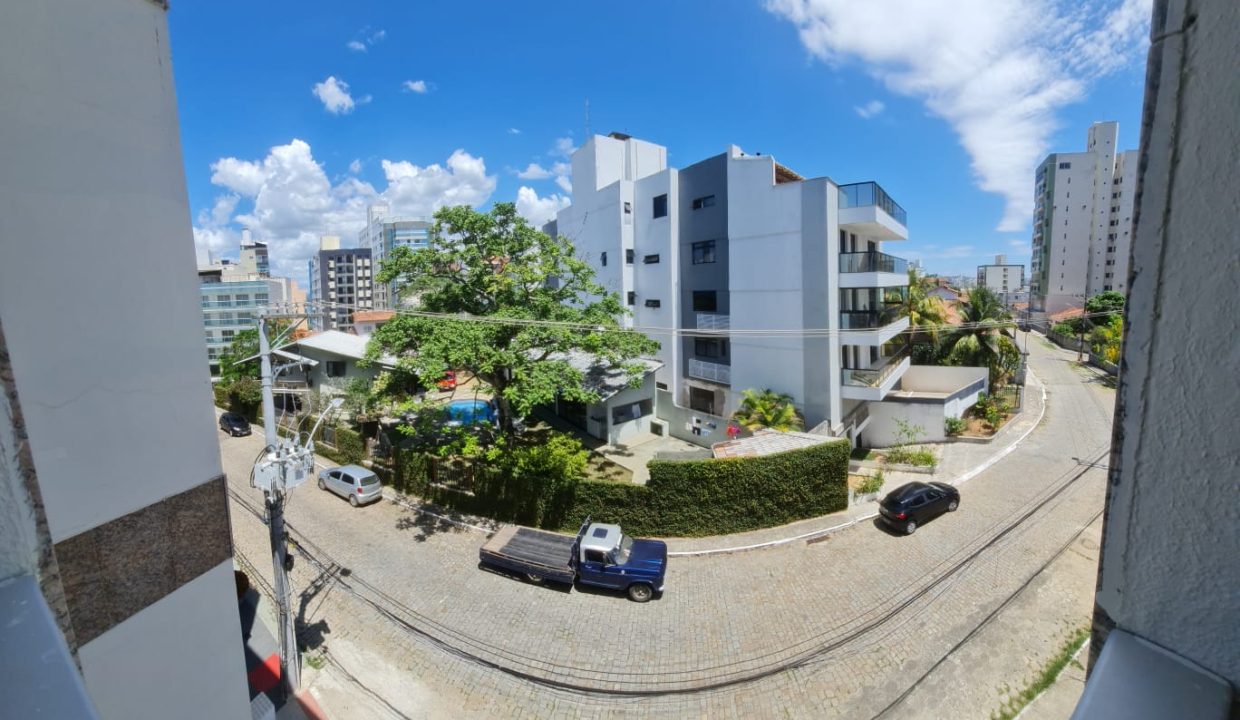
[(311, 635), (518, 577), (427, 525)]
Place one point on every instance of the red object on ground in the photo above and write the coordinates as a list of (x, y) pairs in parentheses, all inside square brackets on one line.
[(266, 676), (448, 382)]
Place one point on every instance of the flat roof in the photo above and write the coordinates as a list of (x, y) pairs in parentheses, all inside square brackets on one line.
[(767, 442)]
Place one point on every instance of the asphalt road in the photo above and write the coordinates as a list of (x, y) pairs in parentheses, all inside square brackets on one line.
[(853, 626)]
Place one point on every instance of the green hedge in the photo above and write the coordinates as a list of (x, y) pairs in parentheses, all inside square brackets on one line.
[(686, 499)]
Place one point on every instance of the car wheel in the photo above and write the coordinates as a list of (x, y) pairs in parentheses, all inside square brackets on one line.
[(322, 485), (640, 592), (910, 528), (951, 506), (353, 500)]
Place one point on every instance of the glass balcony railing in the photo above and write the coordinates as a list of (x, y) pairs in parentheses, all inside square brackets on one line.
[(869, 193), (875, 377), (870, 319), (872, 262)]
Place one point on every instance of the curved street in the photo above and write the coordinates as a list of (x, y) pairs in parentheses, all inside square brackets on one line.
[(854, 625)]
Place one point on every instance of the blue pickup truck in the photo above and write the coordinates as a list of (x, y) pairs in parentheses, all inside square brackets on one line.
[(600, 555)]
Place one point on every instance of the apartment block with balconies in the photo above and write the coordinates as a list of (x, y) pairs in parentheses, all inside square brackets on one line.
[(750, 276)]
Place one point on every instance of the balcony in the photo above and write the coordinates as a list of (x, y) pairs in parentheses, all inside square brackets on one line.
[(871, 328), (713, 321), (709, 371), (874, 383), (872, 269), (865, 208)]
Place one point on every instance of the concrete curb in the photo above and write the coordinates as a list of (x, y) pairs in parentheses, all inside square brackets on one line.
[(814, 534)]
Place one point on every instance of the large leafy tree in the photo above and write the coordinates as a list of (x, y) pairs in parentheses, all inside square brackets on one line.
[(984, 339), (522, 299), (926, 316), (1109, 301), (767, 409)]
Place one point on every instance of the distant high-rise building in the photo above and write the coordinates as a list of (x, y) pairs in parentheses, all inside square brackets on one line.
[(253, 256), (1082, 222), (383, 234), (1003, 278), (341, 281)]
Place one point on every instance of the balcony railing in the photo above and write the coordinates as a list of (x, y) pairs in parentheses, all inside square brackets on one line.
[(714, 372), (870, 319), (713, 321), (869, 193), (856, 262), (875, 377), (858, 416)]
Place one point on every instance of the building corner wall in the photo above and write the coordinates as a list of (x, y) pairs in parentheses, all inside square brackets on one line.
[(1167, 570)]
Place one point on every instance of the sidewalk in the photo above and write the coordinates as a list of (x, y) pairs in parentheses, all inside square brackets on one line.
[(958, 463)]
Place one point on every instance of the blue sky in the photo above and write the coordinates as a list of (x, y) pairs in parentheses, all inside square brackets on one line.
[(294, 116)]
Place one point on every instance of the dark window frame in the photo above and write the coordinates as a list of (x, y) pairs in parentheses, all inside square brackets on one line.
[(652, 303), (703, 252), (703, 202), (629, 256), (659, 204), (703, 298), (650, 259)]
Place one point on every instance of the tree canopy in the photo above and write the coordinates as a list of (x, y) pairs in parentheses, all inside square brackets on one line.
[(1105, 302), (767, 409), (524, 300), (983, 338)]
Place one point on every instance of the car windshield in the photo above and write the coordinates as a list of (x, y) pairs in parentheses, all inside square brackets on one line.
[(623, 550)]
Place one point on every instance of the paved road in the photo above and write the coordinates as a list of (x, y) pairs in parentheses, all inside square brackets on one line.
[(841, 627)]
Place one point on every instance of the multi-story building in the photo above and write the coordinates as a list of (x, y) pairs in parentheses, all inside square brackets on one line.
[(1006, 280), (750, 276), (229, 307), (253, 256), (382, 235), (341, 281), (117, 594), (1081, 242)]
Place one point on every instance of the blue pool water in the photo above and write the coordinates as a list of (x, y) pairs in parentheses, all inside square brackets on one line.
[(470, 412)]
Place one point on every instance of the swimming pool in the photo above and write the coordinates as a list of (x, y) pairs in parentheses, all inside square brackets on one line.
[(469, 412)]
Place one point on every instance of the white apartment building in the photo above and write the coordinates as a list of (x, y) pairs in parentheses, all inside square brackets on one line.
[(1005, 279), (1082, 222), (383, 234), (341, 281), (749, 276)]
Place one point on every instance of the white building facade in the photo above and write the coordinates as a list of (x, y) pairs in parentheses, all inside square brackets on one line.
[(1082, 222), (749, 276), (1003, 278), (383, 234)]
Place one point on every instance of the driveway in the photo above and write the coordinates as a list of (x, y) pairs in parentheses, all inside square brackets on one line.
[(843, 627)]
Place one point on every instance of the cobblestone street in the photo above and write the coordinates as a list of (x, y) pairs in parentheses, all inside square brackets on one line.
[(853, 625)]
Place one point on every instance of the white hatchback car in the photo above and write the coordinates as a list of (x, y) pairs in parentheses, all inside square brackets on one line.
[(354, 482)]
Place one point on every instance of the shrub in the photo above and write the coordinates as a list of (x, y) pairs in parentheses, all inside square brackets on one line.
[(350, 445), (954, 426), (871, 484), (1064, 328)]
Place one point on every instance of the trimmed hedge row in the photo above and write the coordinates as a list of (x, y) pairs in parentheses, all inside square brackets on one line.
[(687, 499)]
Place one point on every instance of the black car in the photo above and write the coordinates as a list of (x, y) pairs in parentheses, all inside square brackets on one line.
[(916, 503), (234, 424)]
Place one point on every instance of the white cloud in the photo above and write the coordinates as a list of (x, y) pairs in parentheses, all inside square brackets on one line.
[(415, 86), (565, 183), (534, 171), (563, 147), (365, 38), (334, 94), (377, 36), (539, 210), (356, 45), (514, 131), (355, 167), (291, 202), (1019, 244), (998, 71), (870, 109)]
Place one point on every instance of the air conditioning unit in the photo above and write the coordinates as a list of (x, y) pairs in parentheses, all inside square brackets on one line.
[(658, 427)]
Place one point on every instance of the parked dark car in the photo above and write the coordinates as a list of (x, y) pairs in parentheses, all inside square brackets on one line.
[(234, 424), (916, 503)]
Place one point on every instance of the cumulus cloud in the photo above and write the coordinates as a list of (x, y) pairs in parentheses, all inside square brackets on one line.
[(563, 147), (539, 210), (334, 94), (415, 86), (998, 71), (356, 45), (870, 109), (534, 171), (365, 38), (289, 201), (355, 167)]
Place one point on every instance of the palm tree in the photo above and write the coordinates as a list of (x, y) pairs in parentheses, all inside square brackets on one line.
[(767, 409), (983, 339), (926, 313)]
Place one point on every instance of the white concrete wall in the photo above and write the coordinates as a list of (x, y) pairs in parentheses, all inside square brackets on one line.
[(179, 657), (881, 432), (658, 281), (934, 378), (633, 430), (1169, 569)]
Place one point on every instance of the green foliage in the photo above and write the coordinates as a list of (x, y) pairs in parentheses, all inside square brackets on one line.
[(871, 484), (1045, 677), (359, 401), (904, 453), (1106, 339), (768, 409), (538, 478), (350, 445), (494, 265), (244, 345), (1109, 301), (220, 391), (984, 339), (992, 409), (926, 313), (1063, 328), (954, 426)]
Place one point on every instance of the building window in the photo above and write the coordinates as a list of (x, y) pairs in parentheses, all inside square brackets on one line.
[(628, 208), (628, 256), (1065, 166), (603, 258), (704, 202), (710, 347), (632, 297), (660, 206), (661, 385), (335, 368), (703, 252), (705, 301), (702, 400), (653, 303), (651, 259)]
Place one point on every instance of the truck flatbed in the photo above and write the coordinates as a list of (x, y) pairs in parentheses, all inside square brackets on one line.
[(536, 553)]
